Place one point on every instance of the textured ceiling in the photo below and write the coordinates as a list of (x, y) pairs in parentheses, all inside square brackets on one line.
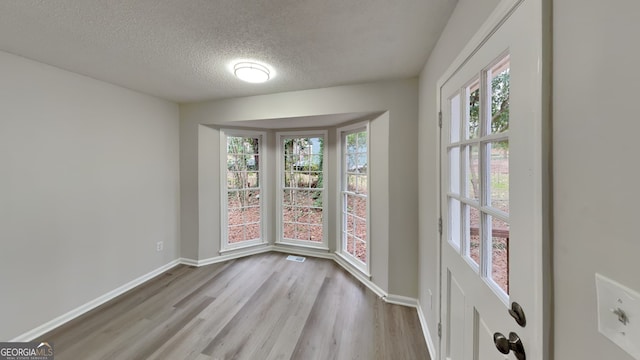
[(182, 50)]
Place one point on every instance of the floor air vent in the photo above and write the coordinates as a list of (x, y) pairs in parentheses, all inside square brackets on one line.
[(296, 258)]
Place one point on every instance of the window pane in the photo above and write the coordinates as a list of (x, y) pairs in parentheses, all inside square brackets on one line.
[(233, 200), (252, 231), (236, 234), (454, 222), (289, 214), (352, 183), (351, 246), (243, 194), (472, 128), (361, 251), (472, 233), (351, 163), (360, 206), (314, 179), (301, 180), (316, 233), (361, 228), (500, 253), (236, 179), (351, 224), (362, 140), (288, 197), (302, 232), (302, 215), (351, 144), (455, 118), (355, 180), (251, 214), (289, 230), (302, 203), (473, 171), (499, 174), (315, 216), (500, 96), (454, 170), (362, 184), (235, 217), (252, 179)]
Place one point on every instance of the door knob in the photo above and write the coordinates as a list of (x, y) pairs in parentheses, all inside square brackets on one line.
[(513, 343), (517, 313)]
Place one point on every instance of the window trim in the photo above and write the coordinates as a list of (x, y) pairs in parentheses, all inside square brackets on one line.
[(324, 245), (224, 226), (341, 132)]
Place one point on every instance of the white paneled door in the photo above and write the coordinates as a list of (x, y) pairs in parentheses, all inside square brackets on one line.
[(493, 182)]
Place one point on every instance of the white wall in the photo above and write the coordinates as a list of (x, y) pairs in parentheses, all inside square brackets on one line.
[(466, 19), (596, 174), (393, 181), (89, 184)]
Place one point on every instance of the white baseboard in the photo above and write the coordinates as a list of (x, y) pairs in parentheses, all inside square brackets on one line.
[(401, 300), (189, 262), (360, 276), (425, 331), (364, 279), (63, 319)]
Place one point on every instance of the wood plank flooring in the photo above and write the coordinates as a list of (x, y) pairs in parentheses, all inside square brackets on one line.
[(259, 307)]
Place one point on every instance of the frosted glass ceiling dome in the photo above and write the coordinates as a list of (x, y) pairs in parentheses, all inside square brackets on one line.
[(251, 72)]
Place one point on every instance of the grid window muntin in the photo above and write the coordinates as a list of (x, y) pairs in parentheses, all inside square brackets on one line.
[(460, 141), (354, 199), (302, 199), (242, 164)]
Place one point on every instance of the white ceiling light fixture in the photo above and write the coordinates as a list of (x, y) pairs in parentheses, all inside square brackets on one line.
[(251, 72)]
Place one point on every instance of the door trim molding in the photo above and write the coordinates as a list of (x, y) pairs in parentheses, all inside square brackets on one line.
[(425, 332), (499, 15)]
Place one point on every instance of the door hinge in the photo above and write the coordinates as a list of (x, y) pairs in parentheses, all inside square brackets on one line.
[(440, 226), (439, 330), (440, 119)]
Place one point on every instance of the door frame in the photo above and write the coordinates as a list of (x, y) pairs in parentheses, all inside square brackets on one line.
[(542, 46)]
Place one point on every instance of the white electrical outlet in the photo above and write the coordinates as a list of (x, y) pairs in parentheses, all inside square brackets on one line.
[(160, 246), (619, 314)]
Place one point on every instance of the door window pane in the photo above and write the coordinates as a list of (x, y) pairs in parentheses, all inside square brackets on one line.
[(454, 170), (454, 222), (499, 174), (500, 253), (472, 123), (472, 233), (455, 118), (473, 171), (499, 89)]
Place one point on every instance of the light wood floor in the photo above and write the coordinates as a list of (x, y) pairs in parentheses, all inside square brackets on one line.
[(259, 307)]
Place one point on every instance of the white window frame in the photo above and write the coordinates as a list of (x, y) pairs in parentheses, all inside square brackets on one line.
[(280, 136), (342, 132), (482, 205), (262, 136)]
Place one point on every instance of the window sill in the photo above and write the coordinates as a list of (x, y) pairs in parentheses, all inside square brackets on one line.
[(319, 246), (244, 247), (352, 264)]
